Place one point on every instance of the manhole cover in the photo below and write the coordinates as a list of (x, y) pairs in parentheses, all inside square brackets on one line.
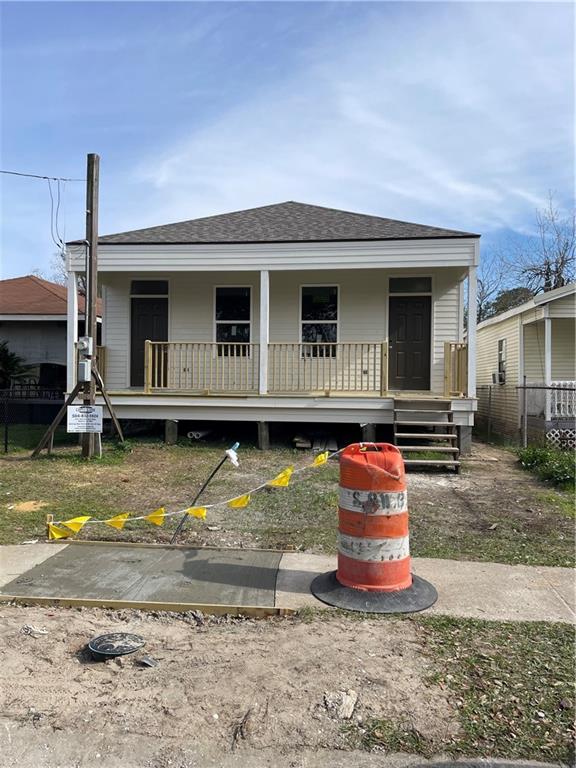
[(115, 644)]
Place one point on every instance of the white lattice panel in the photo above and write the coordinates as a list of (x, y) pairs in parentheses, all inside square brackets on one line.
[(562, 438)]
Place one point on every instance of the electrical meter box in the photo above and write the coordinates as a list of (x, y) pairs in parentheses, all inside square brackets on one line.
[(85, 346)]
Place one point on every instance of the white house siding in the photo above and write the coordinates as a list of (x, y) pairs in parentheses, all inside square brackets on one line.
[(565, 307), (418, 254), (36, 342), (504, 397), (363, 298), (534, 352), (563, 356)]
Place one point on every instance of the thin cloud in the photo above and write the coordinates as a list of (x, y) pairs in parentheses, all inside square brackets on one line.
[(437, 125)]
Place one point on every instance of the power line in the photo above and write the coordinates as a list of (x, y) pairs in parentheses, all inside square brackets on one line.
[(36, 176)]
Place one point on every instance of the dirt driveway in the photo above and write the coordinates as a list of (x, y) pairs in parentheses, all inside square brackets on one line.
[(221, 692)]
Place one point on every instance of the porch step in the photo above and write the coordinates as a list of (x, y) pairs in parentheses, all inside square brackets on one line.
[(421, 410), (435, 448), (417, 423), (427, 435)]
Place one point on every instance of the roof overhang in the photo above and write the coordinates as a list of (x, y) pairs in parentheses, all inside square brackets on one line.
[(357, 254), (536, 301)]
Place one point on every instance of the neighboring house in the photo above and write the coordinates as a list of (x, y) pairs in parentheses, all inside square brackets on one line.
[(534, 343), (290, 313), (33, 315)]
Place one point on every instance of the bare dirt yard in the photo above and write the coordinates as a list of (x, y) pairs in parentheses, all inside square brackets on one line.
[(314, 690), (493, 510)]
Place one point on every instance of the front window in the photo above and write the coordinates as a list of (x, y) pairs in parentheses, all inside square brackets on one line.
[(319, 320), (233, 317)]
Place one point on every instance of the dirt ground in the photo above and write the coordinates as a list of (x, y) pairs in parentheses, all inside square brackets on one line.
[(225, 691)]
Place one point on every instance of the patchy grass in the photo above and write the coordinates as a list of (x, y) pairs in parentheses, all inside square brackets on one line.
[(492, 511), (511, 683), (25, 437)]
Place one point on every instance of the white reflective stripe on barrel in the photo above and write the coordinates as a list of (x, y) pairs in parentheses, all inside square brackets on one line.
[(374, 550), (373, 502)]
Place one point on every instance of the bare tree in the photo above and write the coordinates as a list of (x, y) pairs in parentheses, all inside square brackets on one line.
[(548, 262), (490, 282)]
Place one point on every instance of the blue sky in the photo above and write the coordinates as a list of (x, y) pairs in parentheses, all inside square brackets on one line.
[(456, 114)]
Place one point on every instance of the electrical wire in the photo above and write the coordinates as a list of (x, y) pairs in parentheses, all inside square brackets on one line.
[(36, 176)]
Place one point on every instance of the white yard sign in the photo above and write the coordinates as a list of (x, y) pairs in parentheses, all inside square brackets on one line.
[(84, 418)]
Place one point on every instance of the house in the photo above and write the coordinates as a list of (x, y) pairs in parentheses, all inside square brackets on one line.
[(33, 316), (290, 313), (534, 344)]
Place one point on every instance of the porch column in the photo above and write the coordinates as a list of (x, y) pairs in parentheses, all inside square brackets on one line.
[(548, 361), (71, 331), (264, 330), (472, 293)]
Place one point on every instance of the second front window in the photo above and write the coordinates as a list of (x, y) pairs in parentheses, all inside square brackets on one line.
[(319, 320), (232, 315)]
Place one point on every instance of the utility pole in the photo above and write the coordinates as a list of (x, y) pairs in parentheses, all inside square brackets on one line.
[(92, 182)]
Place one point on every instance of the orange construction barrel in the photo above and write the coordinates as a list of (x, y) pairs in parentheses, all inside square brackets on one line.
[(374, 565)]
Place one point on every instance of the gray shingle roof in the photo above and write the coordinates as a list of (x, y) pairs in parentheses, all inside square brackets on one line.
[(280, 223)]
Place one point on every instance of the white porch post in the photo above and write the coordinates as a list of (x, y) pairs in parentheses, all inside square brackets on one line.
[(71, 331), (264, 330), (548, 361), (472, 293)]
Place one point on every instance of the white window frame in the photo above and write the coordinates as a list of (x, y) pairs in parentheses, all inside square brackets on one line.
[(502, 358), (248, 322), (316, 322)]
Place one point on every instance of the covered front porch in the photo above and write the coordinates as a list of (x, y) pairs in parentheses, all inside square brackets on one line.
[(549, 370), (368, 333)]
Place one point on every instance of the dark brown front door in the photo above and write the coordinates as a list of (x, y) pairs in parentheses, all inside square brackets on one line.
[(409, 337), (149, 321)]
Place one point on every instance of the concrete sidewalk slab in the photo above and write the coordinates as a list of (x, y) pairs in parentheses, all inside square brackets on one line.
[(141, 573), (16, 559), (138, 574), (468, 589)]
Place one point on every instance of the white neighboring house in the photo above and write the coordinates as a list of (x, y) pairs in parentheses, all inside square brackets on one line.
[(534, 342), (290, 313)]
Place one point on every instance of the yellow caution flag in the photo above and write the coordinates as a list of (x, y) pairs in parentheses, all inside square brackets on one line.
[(322, 458), (197, 512), (119, 521), (282, 480), (57, 533), (240, 501), (156, 517), (77, 523)]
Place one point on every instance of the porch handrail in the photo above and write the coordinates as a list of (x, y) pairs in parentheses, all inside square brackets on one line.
[(293, 367), (563, 399), (201, 366), (344, 366), (455, 369)]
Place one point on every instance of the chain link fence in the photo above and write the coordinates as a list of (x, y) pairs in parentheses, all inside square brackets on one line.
[(25, 412)]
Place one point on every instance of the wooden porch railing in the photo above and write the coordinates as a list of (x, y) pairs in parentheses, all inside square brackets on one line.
[(215, 367), (319, 367), (455, 369), (101, 361), (203, 367)]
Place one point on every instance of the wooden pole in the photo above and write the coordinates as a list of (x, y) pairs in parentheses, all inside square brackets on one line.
[(92, 182)]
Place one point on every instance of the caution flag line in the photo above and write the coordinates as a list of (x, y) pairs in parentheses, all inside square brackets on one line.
[(157, 517)]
